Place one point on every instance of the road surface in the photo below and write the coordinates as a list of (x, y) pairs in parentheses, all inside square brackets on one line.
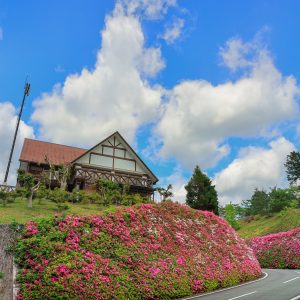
[(276, 285)]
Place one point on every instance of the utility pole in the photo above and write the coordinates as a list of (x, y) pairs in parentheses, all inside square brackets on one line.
[(26, 93)]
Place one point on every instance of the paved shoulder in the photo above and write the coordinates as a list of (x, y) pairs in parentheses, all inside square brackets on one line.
[(275, 285)]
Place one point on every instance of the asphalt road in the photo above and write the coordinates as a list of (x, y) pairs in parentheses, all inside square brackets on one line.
[(276, 285)]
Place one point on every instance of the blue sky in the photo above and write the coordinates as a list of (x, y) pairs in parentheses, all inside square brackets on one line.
[(213, 83)]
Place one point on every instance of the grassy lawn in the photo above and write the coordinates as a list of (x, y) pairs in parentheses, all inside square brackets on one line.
[(18, 210), (282, 221)]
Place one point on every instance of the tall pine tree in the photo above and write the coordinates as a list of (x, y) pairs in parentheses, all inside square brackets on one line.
[(201, 194)]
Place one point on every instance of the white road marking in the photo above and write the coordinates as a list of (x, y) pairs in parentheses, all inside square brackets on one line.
[(242, 296), (291, 279), (229, 288), (296, 298)]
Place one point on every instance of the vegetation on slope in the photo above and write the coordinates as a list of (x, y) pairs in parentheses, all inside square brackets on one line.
[(18, 210), (279, 250), (46, 202), (144, 252), (264, 225)]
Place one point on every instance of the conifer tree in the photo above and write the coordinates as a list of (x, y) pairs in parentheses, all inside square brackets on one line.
[(201, 194), (293, 167)]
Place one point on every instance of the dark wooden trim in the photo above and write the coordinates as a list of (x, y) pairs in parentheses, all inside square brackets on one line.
[(117, 171), (119, 148)]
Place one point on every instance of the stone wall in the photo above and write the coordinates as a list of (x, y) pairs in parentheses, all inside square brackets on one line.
[(7, 237)]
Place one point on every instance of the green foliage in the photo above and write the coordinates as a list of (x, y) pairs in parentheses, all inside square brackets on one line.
[(280, 199), (93, 198), (76, 196), (25, 179), (30, 184), (3, 197), (110, 191), (260, 203), (165, 194), (59, 197), (129, 200), (1, 275), (230, 215), (201, 194), (211, 285), (293, 167), (16, 226), (263, 203)]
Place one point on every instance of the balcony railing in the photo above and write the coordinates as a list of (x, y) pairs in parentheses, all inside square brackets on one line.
[(7, 188), (92, 175)]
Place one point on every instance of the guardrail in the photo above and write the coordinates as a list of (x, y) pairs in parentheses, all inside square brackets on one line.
[(7, 188)]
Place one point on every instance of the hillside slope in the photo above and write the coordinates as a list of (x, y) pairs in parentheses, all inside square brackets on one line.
[(259, 226), (145, 252)]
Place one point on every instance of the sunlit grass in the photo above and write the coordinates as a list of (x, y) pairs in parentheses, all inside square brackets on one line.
[(282, 221), (19, 212)]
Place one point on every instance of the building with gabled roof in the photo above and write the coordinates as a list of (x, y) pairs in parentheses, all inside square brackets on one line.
[(111, 159)]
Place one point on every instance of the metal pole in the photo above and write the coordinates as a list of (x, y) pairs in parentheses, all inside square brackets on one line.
[(26, 93)]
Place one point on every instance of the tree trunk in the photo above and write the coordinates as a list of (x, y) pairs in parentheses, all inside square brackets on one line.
[(30, 199), (63, 185)]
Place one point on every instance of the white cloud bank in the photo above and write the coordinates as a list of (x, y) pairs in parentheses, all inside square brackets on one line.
[(115, 95), (254, 167), (200, 116), (8, 121)]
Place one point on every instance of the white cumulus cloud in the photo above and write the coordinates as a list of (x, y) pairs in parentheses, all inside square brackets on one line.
[(255, 167), (152, 9), (8, 121), (173, 31), (115, 95), (200, 116)]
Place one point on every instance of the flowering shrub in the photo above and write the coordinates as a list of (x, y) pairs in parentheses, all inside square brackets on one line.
[(148, 251), (279, 250)]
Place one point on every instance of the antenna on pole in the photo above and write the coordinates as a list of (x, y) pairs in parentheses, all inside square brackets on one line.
[(26, 93)]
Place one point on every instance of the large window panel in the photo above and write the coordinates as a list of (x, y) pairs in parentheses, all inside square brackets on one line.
[(102, 161), (124, 164), (108, 150), (120, 152)]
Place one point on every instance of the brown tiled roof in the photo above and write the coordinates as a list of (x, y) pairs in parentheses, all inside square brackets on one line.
[(35, 151)]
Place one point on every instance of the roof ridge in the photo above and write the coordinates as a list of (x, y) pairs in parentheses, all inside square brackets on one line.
[(56, 144)]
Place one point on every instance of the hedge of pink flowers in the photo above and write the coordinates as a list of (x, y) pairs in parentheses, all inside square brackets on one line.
[(150, 251), (279, 250)]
